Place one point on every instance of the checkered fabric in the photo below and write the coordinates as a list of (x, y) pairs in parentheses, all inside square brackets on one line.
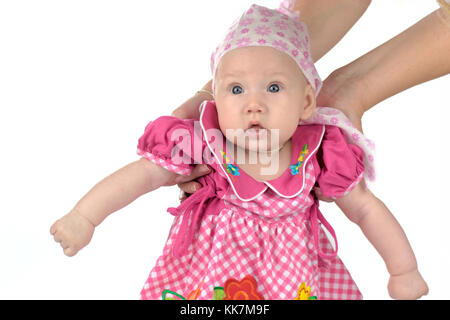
[(165, 163), (268, 238)]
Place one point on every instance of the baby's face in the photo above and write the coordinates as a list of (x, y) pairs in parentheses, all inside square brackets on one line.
[(259, 90)]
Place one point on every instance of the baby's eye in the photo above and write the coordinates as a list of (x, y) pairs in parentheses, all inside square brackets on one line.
[(274, 88), (236, 90)]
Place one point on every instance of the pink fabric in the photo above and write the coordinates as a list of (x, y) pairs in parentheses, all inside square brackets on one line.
[(280, 29), (334, 117), (165, 148), (246, 187), (204, 201), (341, 165), (165, 163), (276, 237)]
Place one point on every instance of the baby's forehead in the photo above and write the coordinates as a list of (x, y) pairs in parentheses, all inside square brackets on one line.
[(256, 60), (265, 71)]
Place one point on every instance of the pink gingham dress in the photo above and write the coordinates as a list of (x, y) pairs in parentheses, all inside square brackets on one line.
[(239, 238)]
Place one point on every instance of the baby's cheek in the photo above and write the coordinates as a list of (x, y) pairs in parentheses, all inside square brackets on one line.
[(229, 120)]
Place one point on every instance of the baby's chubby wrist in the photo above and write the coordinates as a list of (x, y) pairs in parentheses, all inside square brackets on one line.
[(404, 273), (79, 213), (408, 285), (402, 262)]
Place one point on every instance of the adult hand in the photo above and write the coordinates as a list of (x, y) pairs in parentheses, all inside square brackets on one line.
[(342, 91), (188, 185), (189, 110)]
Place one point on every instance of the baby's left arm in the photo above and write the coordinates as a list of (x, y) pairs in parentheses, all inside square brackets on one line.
[(387, 236)]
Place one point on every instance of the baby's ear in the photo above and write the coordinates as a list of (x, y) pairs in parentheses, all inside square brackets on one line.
[(309, 102)]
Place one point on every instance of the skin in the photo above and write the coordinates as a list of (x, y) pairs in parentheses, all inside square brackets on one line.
[(345, 89), (249, 69), (269, 85), (370, 79), (74, 230), (327, 22), (390, 68)]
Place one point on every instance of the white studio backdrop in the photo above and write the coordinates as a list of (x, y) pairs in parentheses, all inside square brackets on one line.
[(79, 80)]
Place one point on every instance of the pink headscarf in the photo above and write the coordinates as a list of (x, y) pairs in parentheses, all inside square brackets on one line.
[(279, 29)]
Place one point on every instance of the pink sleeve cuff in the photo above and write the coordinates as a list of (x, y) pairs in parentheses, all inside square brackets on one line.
[(165, 163), (342, 164), (350, 187)]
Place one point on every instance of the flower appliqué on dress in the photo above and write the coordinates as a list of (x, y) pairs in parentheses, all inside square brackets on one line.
[(295, 168), (242, 290), (172, 295), (304, 293), (232, 169), (233, 289)]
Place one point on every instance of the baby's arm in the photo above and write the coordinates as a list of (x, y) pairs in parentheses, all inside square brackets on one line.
[(386, 235), (75, 229)]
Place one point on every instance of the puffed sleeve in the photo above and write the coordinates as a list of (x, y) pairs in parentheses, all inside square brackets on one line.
[(169, 142), (341, 164)]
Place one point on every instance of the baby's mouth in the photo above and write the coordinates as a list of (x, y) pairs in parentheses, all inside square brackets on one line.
[(255, 130)]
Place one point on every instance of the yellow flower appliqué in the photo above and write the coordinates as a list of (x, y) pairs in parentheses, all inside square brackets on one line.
[(304, 293)]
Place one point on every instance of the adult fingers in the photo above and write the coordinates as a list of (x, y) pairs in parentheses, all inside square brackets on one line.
[(198, 171), (189, 109), (190, 186), (183, 196)]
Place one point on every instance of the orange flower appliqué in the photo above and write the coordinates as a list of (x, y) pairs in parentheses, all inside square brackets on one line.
[(242, 290)]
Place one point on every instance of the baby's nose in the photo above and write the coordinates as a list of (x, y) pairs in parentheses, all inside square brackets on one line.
[(254, 107)]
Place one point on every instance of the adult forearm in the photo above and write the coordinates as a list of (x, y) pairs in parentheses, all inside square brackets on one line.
[(418, 54), (116, 191), (189, 109), (328, 21)]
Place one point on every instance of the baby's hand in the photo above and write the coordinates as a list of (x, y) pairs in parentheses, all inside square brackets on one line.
[(73, 232), (407, 286)]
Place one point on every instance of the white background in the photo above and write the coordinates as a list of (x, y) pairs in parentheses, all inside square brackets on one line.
[(79, 80)]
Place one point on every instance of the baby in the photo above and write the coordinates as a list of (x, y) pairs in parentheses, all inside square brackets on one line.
[(254, 230)]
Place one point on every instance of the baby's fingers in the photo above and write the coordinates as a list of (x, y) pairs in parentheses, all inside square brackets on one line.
[(70, 251), (57, 237), (53, 228)]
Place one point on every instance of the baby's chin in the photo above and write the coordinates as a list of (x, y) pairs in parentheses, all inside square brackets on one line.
[(262, 141)]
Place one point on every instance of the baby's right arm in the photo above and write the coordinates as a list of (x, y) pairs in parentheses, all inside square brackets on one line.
[(74, 230)]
